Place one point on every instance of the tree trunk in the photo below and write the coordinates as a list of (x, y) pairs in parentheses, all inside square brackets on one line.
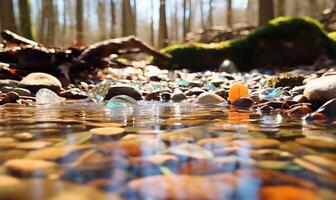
[(163, 34), (229, 18), (7, 17), (134, 17), (79, 21), (176, 22), (314, 8), (113, 20), (202, 14), (266, 11), (64, 27), (101, 19), (184, 19), (210, 17), (152, 35), (51, 20), (281, 8), (189, 15), (26, 26), (127, 18)]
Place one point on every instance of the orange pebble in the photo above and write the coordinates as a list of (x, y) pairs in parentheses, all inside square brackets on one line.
[(237, 90)]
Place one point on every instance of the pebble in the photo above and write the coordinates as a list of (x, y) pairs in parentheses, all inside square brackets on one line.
[(317, 143), (256, 143), (31, 167), (237, 90), (37, 80), (181, 187), (299, 111), (209, 98), (286, 192), (178, 96), (123, 90), (108, 131), (328, 109), (321, 90), (243, 103)]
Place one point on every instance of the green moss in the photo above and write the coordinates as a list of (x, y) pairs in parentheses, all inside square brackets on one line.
[(284, 41), (284, 80)]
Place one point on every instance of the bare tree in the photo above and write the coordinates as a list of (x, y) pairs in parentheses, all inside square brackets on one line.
[(210, 14), (266, 11), (229, 19), (101, 19), (7, 17), (202, 14), (26, 26), (163, 34), (184, 20), (51, 21), (281, 5), (128, 27), (79, 21), (113, 19), (152, 35)]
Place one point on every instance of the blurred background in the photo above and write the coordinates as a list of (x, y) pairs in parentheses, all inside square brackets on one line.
[(158, 22)]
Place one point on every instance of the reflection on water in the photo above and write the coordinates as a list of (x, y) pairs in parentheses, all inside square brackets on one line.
[(162, 151)]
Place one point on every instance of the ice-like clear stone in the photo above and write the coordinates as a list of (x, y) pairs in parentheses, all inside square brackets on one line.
[(100, 90), (228, 66), (181, 82), (121, 101), (46, 96), (209, 86), (271, 93)]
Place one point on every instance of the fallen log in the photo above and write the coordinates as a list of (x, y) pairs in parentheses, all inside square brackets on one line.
[(14, 38), (29, 56)]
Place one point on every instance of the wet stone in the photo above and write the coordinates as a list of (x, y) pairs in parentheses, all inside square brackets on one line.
[(31, 167), (123, 90), (321, 90), (317, 143), (243, 103), (209, 98), (286, 192), (38, 80), (169, 187)]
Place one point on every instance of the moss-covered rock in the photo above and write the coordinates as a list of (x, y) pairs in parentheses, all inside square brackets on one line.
[(284, 41), (284, 80)]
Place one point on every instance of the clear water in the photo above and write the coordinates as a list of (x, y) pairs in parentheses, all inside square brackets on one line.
[(300, 155)]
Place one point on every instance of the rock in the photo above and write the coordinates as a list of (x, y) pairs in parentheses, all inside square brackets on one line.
[(191, 151), (108, 131), (299, 111), (209, 98), (74, 93), (8, 82), (222, 92), (136, 148), (123, 90), (46, 96), (38, 80), (181, 187), (13, 96), (153, 96), (165, 96), (121, 101), (194, 91), (243, 103), (31, 167), (256, 143), (286, 192), (321, 90), (178, 96), (329, 108), (10, 187)]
